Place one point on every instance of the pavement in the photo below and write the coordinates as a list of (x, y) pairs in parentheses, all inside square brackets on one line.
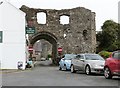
[(37, 63), (43, 63), (9, 71)]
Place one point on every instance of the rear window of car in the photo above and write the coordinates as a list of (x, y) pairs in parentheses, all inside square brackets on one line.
[(116, 55), (69, 56), (93, 57)]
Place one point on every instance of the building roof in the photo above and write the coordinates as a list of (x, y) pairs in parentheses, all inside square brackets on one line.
[(2, 2)]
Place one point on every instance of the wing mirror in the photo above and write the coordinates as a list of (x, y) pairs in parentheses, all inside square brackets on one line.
[(63, 58)]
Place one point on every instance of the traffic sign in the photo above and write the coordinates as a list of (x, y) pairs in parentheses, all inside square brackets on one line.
[(30, 49), (30, 30), (60, 49)]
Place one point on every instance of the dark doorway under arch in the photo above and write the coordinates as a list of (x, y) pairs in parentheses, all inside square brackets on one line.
[(48, 37)]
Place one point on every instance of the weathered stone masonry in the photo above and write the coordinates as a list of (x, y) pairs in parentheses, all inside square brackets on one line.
[(80, 32)]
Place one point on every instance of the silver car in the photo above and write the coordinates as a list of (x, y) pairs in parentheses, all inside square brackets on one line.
[(89, 63)]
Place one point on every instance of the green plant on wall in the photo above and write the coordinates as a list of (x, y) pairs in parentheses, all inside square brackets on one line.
[(49, 56)]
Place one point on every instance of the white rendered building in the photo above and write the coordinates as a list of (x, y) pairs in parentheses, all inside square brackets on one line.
[(13, 44)]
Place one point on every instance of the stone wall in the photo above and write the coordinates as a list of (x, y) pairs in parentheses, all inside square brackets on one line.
[(80, 32)]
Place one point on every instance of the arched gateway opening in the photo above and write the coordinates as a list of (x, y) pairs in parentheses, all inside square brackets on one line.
[(48, 37)]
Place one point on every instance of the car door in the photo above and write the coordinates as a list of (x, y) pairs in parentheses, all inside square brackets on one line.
[(75, 61), (81, 62), (115, 64), (62, 61)]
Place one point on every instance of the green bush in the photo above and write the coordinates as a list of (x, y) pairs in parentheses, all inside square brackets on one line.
[(49, 56), (105, 54)]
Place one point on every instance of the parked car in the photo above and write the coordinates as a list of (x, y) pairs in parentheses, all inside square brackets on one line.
[(112, 65), (65, 62), (89, 63)]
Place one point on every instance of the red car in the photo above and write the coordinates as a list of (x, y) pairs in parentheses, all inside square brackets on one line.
[(112, 65)]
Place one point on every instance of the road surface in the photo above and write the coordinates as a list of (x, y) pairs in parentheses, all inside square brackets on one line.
[(51, 76)]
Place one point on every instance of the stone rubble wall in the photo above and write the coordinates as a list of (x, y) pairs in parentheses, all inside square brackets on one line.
[(80, 32)]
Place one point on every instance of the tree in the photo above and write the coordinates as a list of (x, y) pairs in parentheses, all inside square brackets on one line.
[(109, 37)]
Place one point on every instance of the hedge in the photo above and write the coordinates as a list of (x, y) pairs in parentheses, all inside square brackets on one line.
[(105, 54)]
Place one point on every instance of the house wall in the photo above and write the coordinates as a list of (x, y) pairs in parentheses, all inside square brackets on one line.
[(13, 47), (1, 55)]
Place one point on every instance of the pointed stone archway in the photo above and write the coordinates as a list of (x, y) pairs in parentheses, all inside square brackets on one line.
[(48, 37)]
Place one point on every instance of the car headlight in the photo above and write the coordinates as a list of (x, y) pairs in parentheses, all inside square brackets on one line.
[(102, 65), (95, 65)]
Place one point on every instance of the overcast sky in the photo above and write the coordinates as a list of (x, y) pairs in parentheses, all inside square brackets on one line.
[(104, 9)]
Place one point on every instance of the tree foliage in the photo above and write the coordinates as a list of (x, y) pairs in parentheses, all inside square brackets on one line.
[(109, 37)]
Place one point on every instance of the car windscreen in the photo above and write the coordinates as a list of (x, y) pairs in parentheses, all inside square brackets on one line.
[(118, 55), (69, 56), (93, 57)]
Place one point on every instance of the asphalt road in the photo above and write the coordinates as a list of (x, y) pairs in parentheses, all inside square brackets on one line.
[(51, 76)]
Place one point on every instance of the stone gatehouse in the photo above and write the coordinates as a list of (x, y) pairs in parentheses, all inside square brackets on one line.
[(76, 36)]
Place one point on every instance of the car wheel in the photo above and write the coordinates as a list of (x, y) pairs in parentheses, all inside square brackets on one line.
[(72, 69), (107, 73), (87, 70), (60, 67)]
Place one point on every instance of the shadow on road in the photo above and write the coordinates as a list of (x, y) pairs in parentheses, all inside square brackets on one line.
[(116, 78), (92, 74)]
